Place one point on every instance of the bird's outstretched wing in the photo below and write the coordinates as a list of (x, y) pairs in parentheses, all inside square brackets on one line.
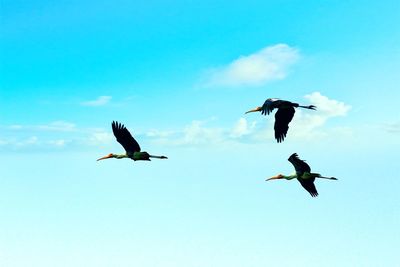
[(309, 185), (282, 119), (299, 165), (125, 138), (268, 106)]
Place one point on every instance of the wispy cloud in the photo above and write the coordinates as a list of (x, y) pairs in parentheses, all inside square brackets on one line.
[(62, 126), (198, 133), (100, 101), (311, 124), (242, 128), (58, 126), (306, 125), (100, 138), (57, 134), (270, 63), (393, 127)]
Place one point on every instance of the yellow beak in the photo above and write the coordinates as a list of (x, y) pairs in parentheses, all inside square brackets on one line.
[(273, 178), (254, 110), (106, 157)]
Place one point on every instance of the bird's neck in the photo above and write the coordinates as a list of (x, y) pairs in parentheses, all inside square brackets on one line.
[(290, 177), (120, 156)]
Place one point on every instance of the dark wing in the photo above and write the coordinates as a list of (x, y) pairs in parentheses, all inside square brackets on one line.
[(299, 165), (282, 119), (309, 185), (267, 107), (125, 138)]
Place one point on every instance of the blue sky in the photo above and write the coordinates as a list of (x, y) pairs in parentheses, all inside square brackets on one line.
[(180, 76)]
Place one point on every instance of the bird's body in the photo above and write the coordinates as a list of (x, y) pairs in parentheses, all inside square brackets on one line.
[(303, 175), (283, 116), (130, 145)]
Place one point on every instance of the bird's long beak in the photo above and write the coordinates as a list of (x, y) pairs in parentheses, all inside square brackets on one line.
[(106, 157), (274, 178), (254, 110)]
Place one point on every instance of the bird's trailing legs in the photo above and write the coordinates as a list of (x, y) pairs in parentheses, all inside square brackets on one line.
[(329, 178), (158, 157), (309, 107)]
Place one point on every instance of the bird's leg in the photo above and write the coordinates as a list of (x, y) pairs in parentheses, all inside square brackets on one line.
[(158, 157), (309, 107), (329, 178)]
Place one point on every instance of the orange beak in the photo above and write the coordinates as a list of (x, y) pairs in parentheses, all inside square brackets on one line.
[(274, 178), (254, 110), (106, 157)]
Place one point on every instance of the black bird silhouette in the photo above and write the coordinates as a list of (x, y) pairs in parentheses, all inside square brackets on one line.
[(283, 116), (303, 175), (130, 145)]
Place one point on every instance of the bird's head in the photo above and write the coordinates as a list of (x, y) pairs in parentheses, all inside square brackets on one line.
[(109, 156), (254, 110), (279, 176)]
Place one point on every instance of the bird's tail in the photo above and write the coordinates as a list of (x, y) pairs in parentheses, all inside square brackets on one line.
[(309, 107)]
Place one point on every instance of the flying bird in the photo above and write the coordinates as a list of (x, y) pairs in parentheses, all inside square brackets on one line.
[(283, 116), (303, 175), (130, 145)]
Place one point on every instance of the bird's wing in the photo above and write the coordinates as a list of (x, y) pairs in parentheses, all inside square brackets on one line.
[(125, 138), (267, 107), (299, 165), (282, 119), (309, 185)]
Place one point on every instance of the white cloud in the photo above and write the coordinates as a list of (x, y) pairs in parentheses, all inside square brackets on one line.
[(15, 127), (33, 140), (393, 127), (99, 138), (270, 63), (242, 128), (196, 133), (326, 106), (308, 124), (199, 133), (62, 126), (58, 143), (100, 101)]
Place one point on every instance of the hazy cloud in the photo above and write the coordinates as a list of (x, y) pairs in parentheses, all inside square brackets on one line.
[(100, 101), (306, 125), (270, 63), (392, 127), (62, 126), (199, 133), (99, 138), (242, 128), (58, 126), (58, 143), (55, 134)]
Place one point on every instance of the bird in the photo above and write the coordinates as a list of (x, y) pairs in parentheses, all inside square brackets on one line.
[(130, 145), (283, 116), (303, 175)]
